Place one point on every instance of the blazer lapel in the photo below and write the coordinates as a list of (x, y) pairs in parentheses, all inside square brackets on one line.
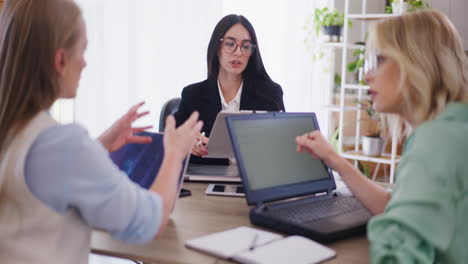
[(210, 96), (211, 104), (247, 96)]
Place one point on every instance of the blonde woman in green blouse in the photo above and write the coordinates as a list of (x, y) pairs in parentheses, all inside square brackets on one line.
[(417, 70)]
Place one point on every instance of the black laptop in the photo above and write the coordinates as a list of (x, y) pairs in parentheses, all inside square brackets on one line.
[(292, 192)]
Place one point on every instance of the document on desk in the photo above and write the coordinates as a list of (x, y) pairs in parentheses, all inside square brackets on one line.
[(249, 245)]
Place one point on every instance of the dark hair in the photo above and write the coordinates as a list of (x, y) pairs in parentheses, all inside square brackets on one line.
[(255, 68)]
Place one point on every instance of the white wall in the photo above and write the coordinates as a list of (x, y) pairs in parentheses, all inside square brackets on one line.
[(150, 49)]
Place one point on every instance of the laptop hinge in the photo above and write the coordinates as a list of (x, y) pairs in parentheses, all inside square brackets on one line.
[(260, 205)]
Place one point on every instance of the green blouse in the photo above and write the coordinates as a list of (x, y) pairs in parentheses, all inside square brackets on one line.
[(426, 220)]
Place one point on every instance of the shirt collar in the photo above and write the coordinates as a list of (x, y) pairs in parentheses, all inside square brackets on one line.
[(236, 99)]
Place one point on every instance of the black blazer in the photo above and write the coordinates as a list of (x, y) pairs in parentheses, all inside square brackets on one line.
[(204, 97)]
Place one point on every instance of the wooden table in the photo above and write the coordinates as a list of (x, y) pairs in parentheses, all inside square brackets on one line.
[(199, 215)]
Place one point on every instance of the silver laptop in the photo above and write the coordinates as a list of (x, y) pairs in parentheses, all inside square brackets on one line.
[(212, 173), (220, 145)]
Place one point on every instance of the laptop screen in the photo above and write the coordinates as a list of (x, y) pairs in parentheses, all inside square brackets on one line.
[(265, 148)]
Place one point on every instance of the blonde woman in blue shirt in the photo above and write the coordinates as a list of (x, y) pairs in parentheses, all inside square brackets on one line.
[(56, 183), (418, 71)]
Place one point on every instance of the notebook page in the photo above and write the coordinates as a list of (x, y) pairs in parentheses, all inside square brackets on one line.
[(293, 249), (229, 243)]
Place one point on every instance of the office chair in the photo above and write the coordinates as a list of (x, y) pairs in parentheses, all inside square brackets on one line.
[(169, 108)]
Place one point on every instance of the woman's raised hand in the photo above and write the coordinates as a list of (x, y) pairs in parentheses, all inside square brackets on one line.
[(179, 141), (122, 132)]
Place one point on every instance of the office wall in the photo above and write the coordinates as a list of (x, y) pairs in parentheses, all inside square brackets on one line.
[(150, 49)]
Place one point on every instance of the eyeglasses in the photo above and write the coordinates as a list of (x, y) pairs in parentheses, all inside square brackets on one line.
[(230, 45), (372, 62)]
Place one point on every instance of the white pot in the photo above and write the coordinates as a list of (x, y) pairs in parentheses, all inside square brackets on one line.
[(399, 8), (372, 146)]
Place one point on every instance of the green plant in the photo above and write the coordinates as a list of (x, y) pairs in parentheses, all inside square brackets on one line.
[(417, 4), (320, 17), (358, 63), (334, 139), (367, 106), (337, 80), (327, 17), (413, 5), (364, 169)]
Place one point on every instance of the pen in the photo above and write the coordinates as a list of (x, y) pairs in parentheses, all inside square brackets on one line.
[(199, 143), (254, 242)]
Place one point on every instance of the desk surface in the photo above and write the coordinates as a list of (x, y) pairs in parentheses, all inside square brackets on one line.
[(199, 215)]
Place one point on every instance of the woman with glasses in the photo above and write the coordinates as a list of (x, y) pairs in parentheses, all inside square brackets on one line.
[(416, 70), (237, 80)]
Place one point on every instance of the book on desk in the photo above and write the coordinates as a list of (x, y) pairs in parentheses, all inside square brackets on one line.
[(249, 245)]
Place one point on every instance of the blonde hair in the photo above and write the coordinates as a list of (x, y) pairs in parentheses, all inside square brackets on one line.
[(31, 31), (433, 66)]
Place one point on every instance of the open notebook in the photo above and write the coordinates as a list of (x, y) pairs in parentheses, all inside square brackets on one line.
[(249, 245)]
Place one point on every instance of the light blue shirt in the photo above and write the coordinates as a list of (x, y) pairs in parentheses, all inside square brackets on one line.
[(65, 168)]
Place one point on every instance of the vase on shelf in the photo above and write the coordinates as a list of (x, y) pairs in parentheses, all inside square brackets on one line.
[(372, 145), (399, 8), (332, 32)]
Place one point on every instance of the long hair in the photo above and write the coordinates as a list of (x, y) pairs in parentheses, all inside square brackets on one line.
[(433, 66), (254, 69), (30, 33)]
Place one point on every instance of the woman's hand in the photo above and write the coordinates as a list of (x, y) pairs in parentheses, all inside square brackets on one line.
[(370, 195), (122, 132), (179, 141), (199, 149), (314, 143)]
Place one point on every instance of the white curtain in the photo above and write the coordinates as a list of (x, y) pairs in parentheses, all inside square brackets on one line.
[(150, 49)]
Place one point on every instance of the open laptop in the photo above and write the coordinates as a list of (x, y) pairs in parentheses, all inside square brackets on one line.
[(219, 146), (212, 173), (141, 162), (300, 187)]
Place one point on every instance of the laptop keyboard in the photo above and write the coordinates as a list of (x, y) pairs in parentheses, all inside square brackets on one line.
[(315, 210)]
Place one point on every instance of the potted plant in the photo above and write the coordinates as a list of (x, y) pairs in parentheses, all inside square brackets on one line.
[(330, 22), (399, 7), (372, 143), (354, 66)]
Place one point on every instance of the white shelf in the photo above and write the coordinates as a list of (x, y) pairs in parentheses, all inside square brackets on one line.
[(385, 158), (340, 45), (391, 159), (336, 108), (370, 16), (356, 86)]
